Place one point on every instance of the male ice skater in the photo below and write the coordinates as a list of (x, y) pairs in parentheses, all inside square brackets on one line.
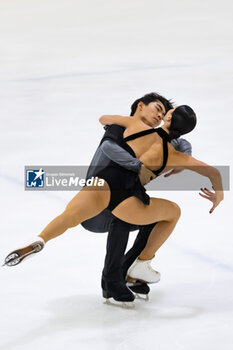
[(112, 148)]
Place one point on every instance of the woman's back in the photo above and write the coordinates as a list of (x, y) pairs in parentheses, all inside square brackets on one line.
[(149, 148)]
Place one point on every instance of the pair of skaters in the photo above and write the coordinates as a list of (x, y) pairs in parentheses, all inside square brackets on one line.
[(116, 263), (123, 193)]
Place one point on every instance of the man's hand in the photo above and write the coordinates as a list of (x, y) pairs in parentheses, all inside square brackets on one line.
[(174, 171), (145, 175)]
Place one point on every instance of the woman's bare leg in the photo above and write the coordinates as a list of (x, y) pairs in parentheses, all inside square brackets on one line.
[(165, 212), (87, 203), (158, 236)]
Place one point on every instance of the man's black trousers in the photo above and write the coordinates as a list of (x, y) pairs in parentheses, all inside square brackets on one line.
[(116, 263)]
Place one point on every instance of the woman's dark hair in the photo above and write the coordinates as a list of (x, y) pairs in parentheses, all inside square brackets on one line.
[(183, 121), (152, 97)]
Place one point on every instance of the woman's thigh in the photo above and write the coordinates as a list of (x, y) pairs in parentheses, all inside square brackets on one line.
[(89, 202), (133, 211)]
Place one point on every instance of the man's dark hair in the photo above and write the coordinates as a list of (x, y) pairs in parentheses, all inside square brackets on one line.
[(152, 97)]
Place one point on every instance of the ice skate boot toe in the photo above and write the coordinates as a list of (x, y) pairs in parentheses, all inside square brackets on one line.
[(117, 292), (141, 290)]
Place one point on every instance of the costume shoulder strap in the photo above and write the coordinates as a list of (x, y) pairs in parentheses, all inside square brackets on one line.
[(139, 134), (166, 139)]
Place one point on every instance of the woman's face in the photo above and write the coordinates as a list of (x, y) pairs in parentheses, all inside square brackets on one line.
[(153, 112), (168, 117)]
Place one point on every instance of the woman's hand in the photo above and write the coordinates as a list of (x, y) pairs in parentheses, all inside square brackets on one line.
[(215, 197), (145, 175)]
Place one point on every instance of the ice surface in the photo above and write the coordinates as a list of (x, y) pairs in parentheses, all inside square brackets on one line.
[(63, 64)]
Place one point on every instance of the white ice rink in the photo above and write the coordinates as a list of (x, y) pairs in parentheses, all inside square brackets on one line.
[(63, 64)]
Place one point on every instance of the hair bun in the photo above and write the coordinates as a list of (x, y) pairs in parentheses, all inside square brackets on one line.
[(174, 134), (183, 121)]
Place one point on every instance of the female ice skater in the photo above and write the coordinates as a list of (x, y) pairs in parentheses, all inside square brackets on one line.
[(123, 192)]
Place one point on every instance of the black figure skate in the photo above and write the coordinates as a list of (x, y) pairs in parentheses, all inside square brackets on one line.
[(119, 292), (140, 289)]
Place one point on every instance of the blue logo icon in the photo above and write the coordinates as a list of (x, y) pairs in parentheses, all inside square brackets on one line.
[(35, 178)]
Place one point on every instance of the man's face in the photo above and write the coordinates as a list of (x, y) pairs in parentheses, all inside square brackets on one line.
[(154, 113)]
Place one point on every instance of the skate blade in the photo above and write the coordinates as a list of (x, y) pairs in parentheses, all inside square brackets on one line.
[(17, 256), (12, 260), (144, 297), (129, 305)]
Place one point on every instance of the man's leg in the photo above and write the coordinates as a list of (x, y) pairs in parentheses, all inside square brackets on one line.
[(140, 242), (116, 244), (116, 263), (138, 246), (113, 282)]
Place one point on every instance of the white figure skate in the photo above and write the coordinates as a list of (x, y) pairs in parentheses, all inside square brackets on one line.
[(141, 270), (18, 255)]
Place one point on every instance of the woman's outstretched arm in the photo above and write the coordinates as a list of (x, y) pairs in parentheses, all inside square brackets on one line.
[(204, 169)]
